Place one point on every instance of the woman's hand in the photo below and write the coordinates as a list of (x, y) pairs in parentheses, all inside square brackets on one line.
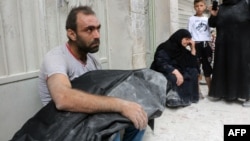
[(179, 77), (192, 44), (192, 47), (213, 12)]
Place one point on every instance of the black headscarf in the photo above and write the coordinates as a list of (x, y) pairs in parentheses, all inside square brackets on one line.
[(177, 51), (230, 2)]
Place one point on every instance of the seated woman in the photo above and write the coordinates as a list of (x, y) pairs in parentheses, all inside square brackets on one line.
[(179, 65)]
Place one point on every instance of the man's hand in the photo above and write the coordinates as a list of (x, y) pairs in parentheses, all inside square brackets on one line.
[(135, 113)]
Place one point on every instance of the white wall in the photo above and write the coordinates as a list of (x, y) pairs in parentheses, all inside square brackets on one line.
[(18, 102), (28, 29), (32, 28), (131, 30)]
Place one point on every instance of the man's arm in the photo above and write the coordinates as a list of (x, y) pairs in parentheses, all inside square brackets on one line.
[(73, 100)]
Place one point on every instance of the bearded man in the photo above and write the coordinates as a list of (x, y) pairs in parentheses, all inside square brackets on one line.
[(71, 60)]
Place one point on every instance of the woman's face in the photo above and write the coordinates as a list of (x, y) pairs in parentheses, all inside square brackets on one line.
[(185, 41)]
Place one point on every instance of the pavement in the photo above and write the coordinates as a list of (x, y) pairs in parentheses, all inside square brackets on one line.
[(202, 121)]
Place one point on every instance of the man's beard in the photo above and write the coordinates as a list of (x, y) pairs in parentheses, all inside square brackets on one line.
[(82, 46)]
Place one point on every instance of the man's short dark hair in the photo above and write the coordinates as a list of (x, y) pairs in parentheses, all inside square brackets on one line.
[(71, 19)]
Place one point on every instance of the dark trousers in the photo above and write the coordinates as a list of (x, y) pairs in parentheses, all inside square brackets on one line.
[(204, 54)]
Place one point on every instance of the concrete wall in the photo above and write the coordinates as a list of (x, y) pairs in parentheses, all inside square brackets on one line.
[(25, 38), (18, 102), (131, 30), (119, 37)]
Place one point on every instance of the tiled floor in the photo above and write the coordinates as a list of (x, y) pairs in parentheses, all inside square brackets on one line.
[(198, 122)]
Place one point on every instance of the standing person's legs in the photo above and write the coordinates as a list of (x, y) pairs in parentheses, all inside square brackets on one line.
[(206, 63), (198, 47)]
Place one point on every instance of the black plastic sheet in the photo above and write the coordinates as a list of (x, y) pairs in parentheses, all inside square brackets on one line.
[(143, 86)]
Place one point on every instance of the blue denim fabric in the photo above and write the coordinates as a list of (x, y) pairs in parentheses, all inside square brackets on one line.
[(130, 134)]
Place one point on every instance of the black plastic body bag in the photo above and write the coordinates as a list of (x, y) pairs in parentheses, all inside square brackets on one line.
[(143, 86)]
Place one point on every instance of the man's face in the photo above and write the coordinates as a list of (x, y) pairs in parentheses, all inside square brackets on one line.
[(87, 33)]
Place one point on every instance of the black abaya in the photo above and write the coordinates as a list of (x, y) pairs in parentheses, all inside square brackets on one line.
[(171, 55), (231, 70)]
